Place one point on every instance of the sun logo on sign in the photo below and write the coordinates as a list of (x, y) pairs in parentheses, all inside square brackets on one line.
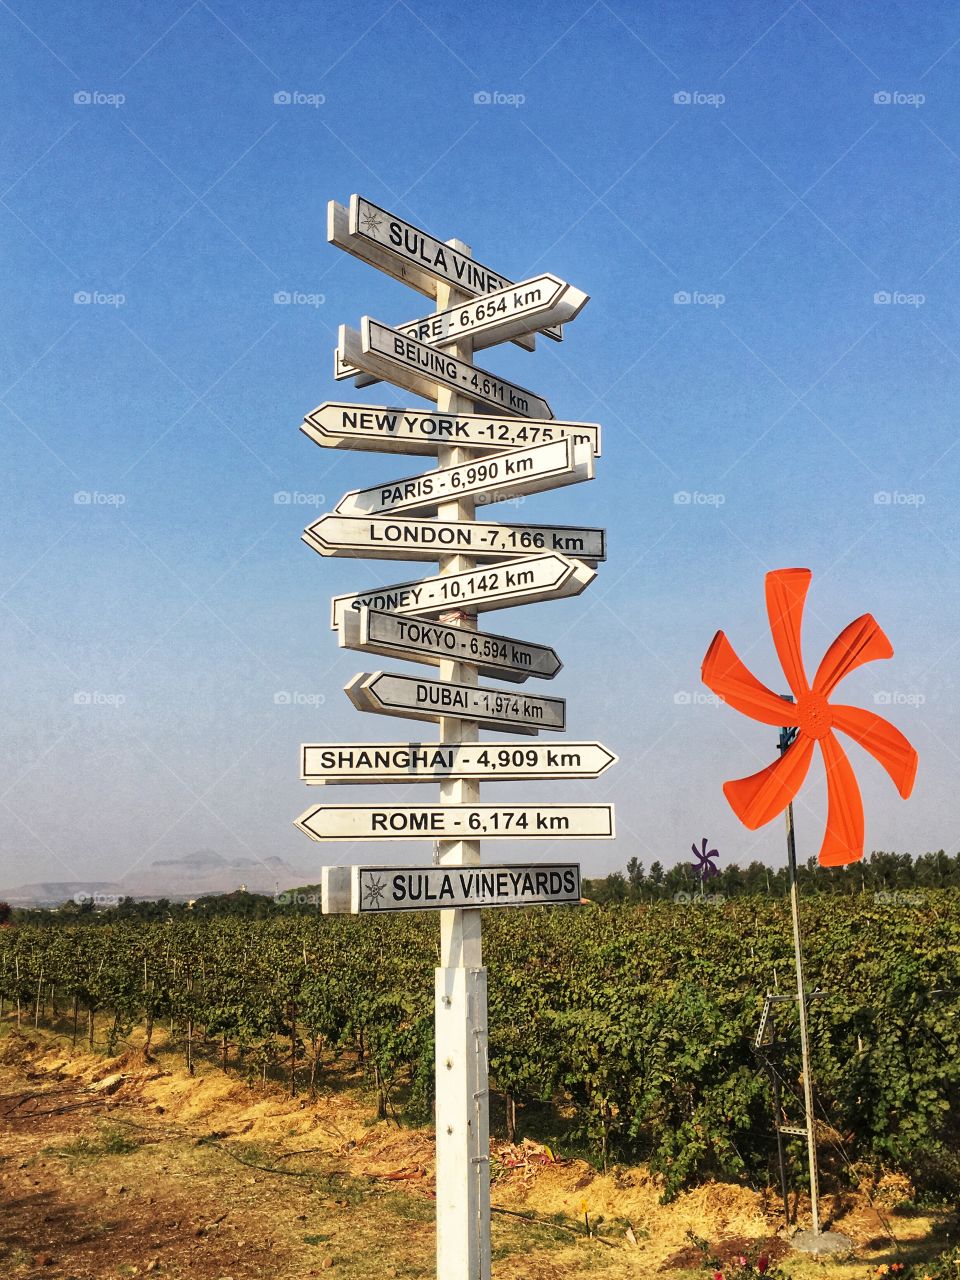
[(374, 892), (703, 865)]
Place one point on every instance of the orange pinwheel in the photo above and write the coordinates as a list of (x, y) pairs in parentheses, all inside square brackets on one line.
[(759, 798)]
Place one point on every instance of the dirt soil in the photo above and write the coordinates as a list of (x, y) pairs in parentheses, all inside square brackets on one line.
[(128, 1166)]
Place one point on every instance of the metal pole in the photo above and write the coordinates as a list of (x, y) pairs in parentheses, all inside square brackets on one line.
[(778, 1110), (786, 737), (462, 1102), (781, 1149)]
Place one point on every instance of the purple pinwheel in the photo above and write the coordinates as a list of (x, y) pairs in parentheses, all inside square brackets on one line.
[(703, 866)]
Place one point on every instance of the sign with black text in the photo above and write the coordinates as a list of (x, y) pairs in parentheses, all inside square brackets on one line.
[(368, 890), (383, 429)]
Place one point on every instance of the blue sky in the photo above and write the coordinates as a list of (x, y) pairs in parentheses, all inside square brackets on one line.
[(793, 169)]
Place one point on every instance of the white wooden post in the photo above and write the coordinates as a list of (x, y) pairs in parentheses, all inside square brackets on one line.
[(462, 1102)]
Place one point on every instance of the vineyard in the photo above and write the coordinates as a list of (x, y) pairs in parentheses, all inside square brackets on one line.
[(626, 1032)]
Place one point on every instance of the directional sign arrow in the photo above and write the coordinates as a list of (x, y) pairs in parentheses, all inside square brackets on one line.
[(518, 309), (403, 702), (416, 367), (499, 586), (495, 317), (404, 538), (458, 822), (385, 693), (393, 762), (487, 480), (366, 890), (409, 254), (388, 430), (342, 371), (393, 636)]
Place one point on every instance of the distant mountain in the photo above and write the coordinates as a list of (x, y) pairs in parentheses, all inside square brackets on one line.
[(205, 871), (51, 893), (202, 858)]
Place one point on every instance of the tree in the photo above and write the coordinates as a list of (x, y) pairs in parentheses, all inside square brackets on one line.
[(635, 878)]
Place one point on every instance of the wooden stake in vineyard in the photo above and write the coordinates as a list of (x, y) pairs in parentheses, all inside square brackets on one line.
[(493, 441), (758, 799)]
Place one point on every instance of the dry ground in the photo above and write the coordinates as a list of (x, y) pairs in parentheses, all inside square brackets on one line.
[(124, 1167)]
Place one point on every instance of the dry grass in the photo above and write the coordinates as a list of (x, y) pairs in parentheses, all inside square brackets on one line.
[(126, 1166)]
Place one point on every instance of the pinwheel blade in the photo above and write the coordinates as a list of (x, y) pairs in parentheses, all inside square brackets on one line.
[(884, 742), (843, 838), (757, 799), (786, 591), (725, 674), (862, 641)]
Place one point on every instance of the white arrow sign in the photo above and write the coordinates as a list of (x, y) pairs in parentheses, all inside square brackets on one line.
[(518, 309), (409, 254), (387, 430), (487, 480), (416, 367), (418, 640), (385, 693), (495, 317), (368, 890), (500, 586), (324, 763), (404, 538), (458, 822), (342, 371)]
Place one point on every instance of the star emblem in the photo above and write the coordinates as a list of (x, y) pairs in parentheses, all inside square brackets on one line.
[(371, 223), (374, 892)]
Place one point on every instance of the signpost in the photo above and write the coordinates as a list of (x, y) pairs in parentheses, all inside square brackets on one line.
[(370, 890), (493, 440), (322, 763), (417, 640), (336, 425), (458, 822), (488, 480), (415, 699), (416, 367), (527, 581), (386, 538)]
